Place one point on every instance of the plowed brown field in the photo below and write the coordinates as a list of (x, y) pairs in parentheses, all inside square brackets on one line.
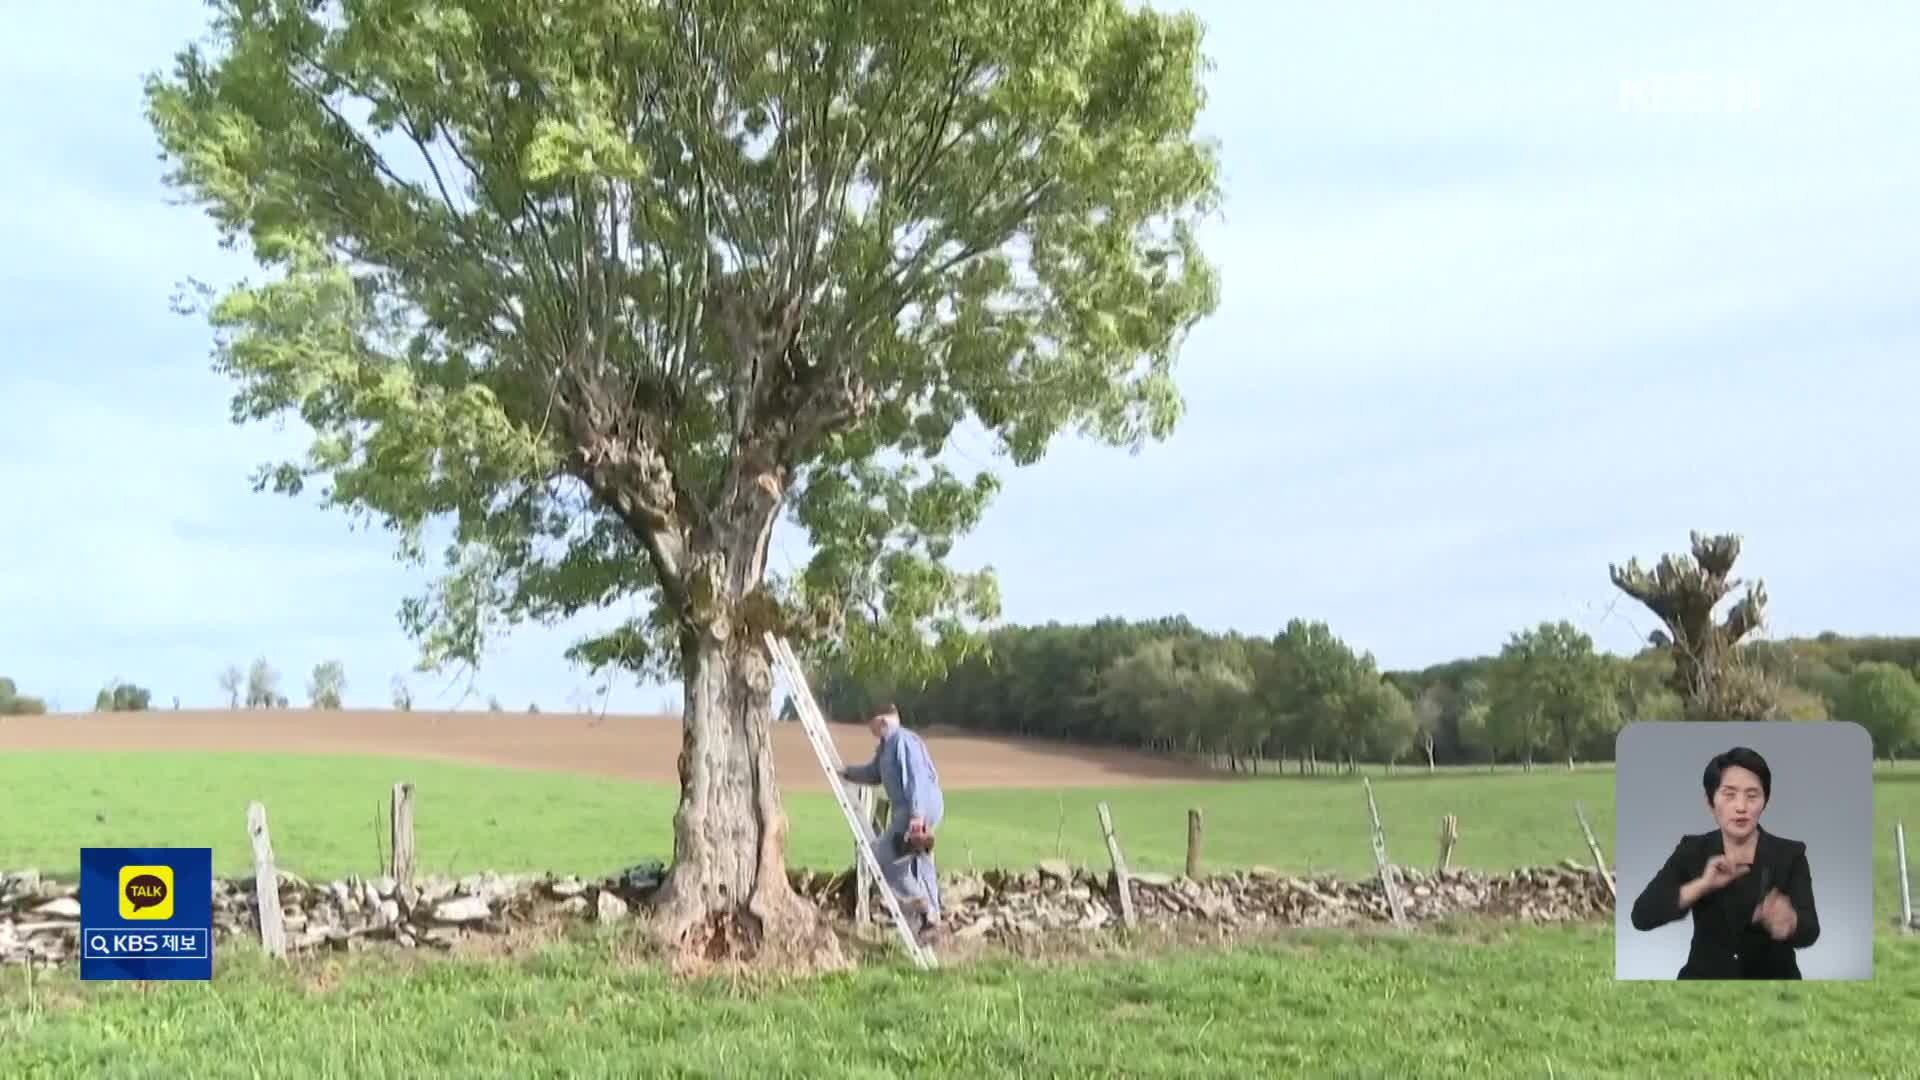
[(633, 747)]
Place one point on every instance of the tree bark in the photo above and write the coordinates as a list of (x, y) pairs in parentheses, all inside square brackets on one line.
[(727, 899)]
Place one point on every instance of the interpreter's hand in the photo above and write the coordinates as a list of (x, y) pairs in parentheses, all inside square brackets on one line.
[(1776, 914), (1720, 871)]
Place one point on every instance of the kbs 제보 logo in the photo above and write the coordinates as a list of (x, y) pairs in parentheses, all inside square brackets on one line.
[(146, 913)]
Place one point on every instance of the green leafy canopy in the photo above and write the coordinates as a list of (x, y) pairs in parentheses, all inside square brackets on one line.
[(609, 284)]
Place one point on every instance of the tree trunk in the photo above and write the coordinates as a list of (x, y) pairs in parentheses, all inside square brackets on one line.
[(727, 901), (1429, 753), (727, 898)]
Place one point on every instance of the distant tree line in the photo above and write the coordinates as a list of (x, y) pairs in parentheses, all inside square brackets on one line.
[(259, 686), (1306, 697)]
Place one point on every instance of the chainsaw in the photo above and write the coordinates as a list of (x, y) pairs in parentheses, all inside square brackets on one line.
[(916, 840)]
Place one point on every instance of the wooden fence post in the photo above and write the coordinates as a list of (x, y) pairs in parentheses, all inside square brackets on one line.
[(1449, 836), (266, 883), (1121, 880), (1599, 861), (862, 884), (400, 866), (1906, 896), (1193, 843), (1380, 858)]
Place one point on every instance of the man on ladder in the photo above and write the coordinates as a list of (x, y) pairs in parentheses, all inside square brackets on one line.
[(902, 766)]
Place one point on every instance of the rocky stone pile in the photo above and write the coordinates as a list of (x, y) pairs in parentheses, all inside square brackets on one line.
[(1055, 897), (40, 918)]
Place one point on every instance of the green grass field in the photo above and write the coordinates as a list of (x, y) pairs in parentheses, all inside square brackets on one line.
[(327, 814), (323, 812), (1464, 999), (1478, 1001)]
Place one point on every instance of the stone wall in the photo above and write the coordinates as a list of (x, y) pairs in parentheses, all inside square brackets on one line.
[(40, 918)]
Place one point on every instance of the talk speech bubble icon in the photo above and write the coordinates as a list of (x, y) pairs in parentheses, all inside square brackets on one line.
[(146, 892)]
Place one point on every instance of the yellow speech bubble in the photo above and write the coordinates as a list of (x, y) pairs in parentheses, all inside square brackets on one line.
[(146, 892)]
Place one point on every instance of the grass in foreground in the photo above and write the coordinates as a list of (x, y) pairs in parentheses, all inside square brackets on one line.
[(1472, 1000)]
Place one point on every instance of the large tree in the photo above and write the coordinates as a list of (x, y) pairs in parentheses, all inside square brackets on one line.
[(1710, 673), (610, 284)]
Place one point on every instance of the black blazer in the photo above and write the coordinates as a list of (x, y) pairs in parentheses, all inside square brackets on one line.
[(1727, 943)]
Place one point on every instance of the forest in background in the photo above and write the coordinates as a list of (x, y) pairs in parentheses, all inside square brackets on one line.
[(1307, 698)]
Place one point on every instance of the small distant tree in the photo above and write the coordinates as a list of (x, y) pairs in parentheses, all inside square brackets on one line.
[(1381, 719), (328, 685), (1476, 729), (1885, 699), (532, 708), (1549, 690), (493, 704), (14, 703), (263, 685), (1324, 698), (1429, 713), (280, 701), (231, 680), (402, 695), (122, 696)]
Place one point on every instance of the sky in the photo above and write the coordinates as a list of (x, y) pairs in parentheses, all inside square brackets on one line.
[(1508, 295)]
